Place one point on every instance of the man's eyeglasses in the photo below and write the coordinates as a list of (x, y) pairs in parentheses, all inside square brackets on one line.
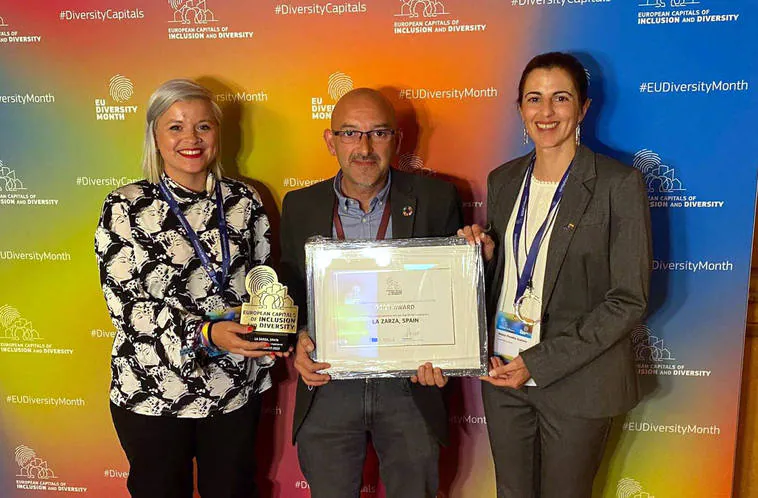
[(380, 136)]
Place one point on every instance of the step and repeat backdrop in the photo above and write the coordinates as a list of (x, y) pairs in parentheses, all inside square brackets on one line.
[(673, 88)]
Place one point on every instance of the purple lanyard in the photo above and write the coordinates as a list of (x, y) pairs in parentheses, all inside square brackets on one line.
[(525, 279), (204, 259)]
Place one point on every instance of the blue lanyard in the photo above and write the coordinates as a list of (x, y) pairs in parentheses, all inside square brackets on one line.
[(525, 279), (204, 259)]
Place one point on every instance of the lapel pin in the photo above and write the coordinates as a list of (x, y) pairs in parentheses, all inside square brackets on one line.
[(570, 227), (408, 211)]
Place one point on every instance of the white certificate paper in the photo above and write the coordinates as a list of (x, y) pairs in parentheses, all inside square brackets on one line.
[(383, 308), (394, 308)]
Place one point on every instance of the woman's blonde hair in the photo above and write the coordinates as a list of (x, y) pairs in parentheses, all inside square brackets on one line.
[(164, 97)]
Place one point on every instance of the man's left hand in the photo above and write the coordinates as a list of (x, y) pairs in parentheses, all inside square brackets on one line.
[(513, 374), (429, 375)]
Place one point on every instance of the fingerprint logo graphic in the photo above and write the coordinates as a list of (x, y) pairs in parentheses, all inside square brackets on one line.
[(646, 160), (8, 315), (259, 278), (24, 454), (629, 488), (659, 177), (175, 4), (641, 333), (412, 164), (339, 85), (120, 88)]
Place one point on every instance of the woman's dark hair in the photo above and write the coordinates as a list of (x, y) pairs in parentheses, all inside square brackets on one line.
[(551, 60)]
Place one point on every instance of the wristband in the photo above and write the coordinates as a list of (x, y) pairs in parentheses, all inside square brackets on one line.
[(204, 334), (209, 335)]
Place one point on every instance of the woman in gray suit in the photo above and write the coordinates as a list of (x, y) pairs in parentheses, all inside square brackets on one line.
[(568, 265)]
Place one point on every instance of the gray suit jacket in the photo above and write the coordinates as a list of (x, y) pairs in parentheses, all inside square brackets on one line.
[(596, 283)]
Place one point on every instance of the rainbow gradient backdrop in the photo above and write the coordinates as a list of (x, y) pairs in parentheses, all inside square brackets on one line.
[(276, 144)]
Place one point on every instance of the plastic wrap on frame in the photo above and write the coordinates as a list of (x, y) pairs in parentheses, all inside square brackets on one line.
[(383, 308)]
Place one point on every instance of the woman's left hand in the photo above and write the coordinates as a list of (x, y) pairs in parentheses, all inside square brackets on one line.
[(226, 337), (474, 233), (513, 374)]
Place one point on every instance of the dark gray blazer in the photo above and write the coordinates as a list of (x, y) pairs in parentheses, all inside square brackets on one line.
[(596, 283), (436, 212)]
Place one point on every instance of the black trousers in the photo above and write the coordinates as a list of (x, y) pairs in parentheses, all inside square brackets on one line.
[(160, 452)]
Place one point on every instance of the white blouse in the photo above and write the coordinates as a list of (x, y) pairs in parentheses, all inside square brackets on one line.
[(540, 196)]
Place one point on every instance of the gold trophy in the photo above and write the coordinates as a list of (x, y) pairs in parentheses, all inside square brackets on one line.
[(270, 310)]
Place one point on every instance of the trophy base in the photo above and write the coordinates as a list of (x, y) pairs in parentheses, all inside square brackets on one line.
[(280, 342)]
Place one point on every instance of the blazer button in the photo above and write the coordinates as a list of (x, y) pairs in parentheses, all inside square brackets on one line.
[(545, 317)]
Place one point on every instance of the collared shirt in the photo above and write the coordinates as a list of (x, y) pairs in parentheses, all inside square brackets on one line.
[(356, 223), (158, 292)]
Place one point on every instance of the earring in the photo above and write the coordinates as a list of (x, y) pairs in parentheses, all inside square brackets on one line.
[(578, 134), (525, 139)]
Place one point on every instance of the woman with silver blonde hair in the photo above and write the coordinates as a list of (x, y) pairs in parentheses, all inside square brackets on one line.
[(173, 252), (160, 101)]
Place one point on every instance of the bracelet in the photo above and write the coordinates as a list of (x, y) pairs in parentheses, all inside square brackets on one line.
[(204, 334), (209, 335)]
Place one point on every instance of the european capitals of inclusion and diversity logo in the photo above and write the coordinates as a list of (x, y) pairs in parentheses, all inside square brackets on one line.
[(19, 335), (13, 36), (681, 12), (36, 474), (653, 356), (196, 20), (423, 17), (14, 192), (664, 186)]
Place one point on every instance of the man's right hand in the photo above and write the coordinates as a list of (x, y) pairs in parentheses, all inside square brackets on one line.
[(306, 367), (473, 234)]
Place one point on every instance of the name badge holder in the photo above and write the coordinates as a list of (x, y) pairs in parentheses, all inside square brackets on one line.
[(514, 331)]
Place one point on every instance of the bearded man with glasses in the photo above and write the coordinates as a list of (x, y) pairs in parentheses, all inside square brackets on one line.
[(405, 419)]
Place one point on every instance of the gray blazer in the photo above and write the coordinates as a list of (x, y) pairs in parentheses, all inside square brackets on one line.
[(596, 283)]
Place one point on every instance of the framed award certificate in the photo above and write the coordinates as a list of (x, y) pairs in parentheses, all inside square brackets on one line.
[(383, 308)]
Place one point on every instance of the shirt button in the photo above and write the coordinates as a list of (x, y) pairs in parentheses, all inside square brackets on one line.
[(363, 220)]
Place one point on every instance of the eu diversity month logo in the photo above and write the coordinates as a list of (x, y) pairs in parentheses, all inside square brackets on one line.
[(337, 85), (120, 91)]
